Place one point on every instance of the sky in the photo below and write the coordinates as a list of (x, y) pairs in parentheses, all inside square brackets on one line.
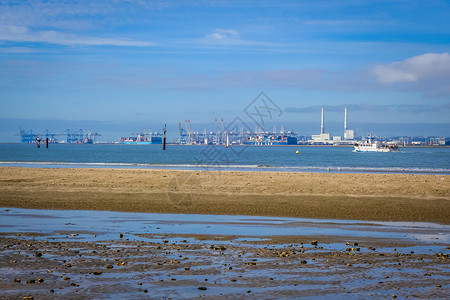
[(157, 62)]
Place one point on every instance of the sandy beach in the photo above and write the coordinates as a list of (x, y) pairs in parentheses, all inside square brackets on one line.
[(382, 197), (55, 255)]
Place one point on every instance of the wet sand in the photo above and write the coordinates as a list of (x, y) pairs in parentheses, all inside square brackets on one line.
[(383, 197)]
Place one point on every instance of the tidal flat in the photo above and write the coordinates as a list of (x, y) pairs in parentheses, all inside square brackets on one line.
[(114, 255)]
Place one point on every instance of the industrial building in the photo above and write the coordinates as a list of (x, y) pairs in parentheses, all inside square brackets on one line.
[(325, 138), (322, 138)]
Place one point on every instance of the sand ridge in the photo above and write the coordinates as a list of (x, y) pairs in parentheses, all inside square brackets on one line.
[(386, 197)]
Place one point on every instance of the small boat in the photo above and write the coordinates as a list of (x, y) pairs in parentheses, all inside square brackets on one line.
[(369, 145)]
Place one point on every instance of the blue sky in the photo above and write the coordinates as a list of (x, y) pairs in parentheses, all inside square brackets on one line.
[(167, 61)]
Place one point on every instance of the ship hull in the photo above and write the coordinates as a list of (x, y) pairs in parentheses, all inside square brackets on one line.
[(138, 143), (374, 148)]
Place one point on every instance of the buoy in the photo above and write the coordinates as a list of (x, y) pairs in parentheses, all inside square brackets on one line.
[(297, 152)]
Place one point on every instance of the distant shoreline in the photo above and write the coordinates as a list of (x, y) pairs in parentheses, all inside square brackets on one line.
[(175, 144)]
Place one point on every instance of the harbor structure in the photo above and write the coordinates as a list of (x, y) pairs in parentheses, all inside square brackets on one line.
[(81, 136), (238, 136)]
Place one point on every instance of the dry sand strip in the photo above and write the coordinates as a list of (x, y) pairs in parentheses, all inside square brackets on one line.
[(382, 197)]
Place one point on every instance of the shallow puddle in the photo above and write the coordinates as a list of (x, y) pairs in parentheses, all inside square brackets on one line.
[(108, 225)]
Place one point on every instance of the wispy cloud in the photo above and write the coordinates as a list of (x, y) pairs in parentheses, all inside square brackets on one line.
[(232, 37), (17, 50), (24, 34)]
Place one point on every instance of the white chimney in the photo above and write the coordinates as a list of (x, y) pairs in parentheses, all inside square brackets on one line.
[(345, 120), (321, 127)]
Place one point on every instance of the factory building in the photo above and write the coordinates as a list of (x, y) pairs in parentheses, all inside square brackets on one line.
[(326, 139), (348, 134), (322, 138)]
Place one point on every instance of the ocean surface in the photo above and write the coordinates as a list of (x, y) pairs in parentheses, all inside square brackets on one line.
[(242, 158)]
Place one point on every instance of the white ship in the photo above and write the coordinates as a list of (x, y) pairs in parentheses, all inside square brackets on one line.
[(369, 145)]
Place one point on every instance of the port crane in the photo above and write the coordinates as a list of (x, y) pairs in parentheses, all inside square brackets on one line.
[(80, 136)]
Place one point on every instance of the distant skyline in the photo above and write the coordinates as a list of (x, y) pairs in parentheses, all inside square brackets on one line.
[(167, 61)]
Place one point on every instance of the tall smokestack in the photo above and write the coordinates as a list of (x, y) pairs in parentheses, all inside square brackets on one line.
[(345, 120), (321, 125)]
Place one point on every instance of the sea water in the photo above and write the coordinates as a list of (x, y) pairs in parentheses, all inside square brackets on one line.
[(426, 160)]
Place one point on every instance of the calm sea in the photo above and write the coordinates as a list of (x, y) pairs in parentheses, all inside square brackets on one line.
[(250, 158)]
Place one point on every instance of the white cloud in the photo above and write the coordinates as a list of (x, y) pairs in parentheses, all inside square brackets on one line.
[(24, 34), (418, 68)]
